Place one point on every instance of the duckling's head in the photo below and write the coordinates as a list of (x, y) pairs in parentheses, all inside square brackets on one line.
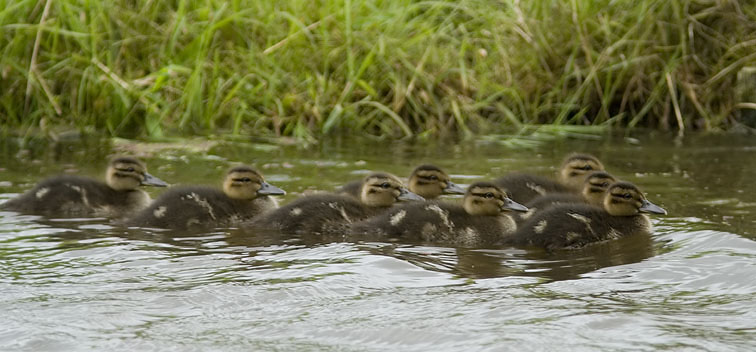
[(485, 198), (383, 190), (126, 174), (595, 186), (576, 167), (625, 199), (245, 183), (428, 181)]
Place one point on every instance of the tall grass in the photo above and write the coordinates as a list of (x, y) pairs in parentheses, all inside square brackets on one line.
[(306, 68)]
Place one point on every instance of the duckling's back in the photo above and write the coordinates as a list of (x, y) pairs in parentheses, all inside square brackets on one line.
[(539, 204), (436, 223), (351, 189), (197, 207), (315, 214), (70, 195), (576, 225), (523, 188)]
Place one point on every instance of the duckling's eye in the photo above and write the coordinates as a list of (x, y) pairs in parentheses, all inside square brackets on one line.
[(385, 185), (488, 195), (586, 167), (246, 179), (605, 184), (130, 169), (627, 196), (433, 177)]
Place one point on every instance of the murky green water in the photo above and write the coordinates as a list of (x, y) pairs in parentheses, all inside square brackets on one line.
[(83, 284)]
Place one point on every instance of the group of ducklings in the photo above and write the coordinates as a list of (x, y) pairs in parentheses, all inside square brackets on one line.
[(584, 205)]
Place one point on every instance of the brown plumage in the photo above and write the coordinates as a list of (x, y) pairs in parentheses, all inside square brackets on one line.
[(331, 213), (576, 225), (74, 196), (594, 186), (525, 187), (427, 181), (482, 220), (245, 195)]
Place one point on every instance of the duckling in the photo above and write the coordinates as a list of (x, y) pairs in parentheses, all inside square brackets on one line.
[(576, 225), (245, 194), (524, 187), (482, 219), (74, 196), (330, 213), (596, 183), (427, 181)]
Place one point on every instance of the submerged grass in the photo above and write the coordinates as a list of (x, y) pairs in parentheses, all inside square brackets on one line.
[(387, 68)]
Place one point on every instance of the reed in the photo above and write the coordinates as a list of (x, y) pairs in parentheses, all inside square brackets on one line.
[(388, 68)]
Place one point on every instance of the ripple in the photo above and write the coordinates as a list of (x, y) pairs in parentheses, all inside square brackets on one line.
[(86, 284)]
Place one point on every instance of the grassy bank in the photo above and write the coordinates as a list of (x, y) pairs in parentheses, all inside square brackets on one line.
[(394, 67)]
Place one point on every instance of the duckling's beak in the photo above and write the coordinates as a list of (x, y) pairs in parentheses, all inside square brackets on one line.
[(648, 207), (405, 194), (268, 189), (512, 205), (149, 180), (453, 188)]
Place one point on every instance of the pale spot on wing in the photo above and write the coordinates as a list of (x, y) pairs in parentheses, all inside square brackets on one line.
[(160, 211), (41, 193), (535, 187), (84, 198), (580, 218), (341, 210), (396, 218), (203, 203), (526, 215), (540, 226), (613, 234), (428, 231), (444, 215), (572, 236), (296, 212), (585, 220)]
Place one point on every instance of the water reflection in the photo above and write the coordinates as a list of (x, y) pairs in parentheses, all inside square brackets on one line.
[(461, 262)]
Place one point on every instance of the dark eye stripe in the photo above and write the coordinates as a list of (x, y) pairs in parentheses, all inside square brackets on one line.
[(127, 174), (485, 195), (623, 195)]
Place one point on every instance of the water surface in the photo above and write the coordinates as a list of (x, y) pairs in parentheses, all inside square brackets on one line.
[(84, 284)]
